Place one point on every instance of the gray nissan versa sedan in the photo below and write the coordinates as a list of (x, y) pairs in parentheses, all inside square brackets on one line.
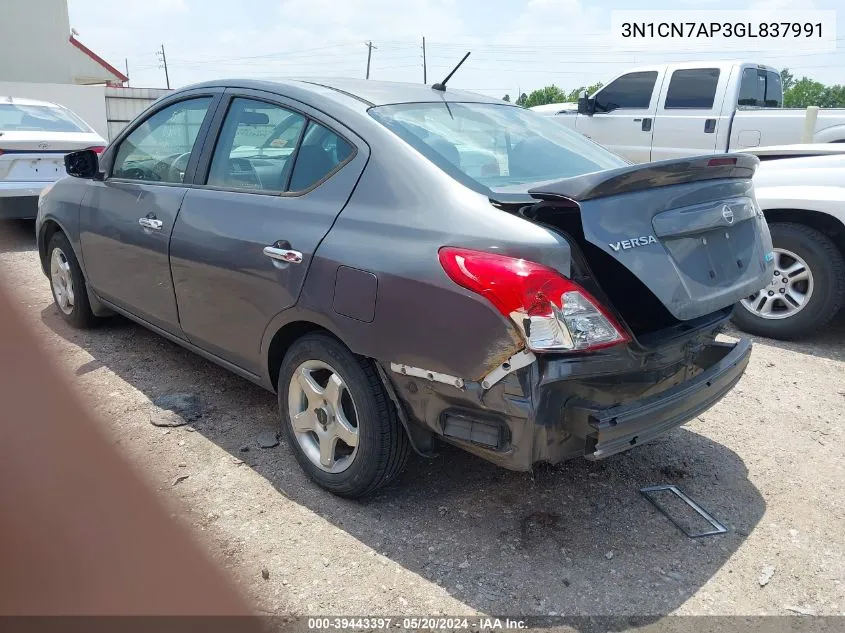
[(403, 264)]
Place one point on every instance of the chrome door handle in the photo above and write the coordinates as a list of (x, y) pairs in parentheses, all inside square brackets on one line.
[(283, 255), (151, 223)]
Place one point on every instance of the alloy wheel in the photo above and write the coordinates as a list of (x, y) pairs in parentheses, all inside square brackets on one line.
[(61, 281), (323, 415), (789, 291)]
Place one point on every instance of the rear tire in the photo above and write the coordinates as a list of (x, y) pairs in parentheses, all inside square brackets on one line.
[(826, 297), (356, 419), (70, 292)]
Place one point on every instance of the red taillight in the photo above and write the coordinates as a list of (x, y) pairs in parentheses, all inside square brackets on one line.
[(553, 313), (97, 148)]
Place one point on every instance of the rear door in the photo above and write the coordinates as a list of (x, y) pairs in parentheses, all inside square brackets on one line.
[(266, 193), (624, 117), (689, 117), (126, 218)]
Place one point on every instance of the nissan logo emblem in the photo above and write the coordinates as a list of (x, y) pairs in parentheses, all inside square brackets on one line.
[(728, 214)]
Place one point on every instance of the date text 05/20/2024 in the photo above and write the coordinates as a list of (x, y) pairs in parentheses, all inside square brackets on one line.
[(426, 623)]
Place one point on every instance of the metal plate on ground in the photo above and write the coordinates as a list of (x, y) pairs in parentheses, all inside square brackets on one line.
[(665, 498)]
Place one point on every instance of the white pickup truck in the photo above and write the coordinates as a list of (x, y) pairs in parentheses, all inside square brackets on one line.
[(674, 110)]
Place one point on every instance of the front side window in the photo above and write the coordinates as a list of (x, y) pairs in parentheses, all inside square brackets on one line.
[(692, 88), (158, 150), (16, 117), (628, 91), (494, 145), (760, 88), (256, 146)]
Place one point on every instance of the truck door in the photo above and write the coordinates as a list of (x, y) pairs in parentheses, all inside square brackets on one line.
[(624, 116), (689, 117)]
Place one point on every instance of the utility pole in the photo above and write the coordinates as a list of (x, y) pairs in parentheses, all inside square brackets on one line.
[(370, 48), (425, 79), (126, 64), (163, 60)]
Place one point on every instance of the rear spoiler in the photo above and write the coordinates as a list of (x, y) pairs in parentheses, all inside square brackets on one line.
[(612, 182)]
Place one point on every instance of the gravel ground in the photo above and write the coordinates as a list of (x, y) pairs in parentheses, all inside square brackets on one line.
[(456, 535)]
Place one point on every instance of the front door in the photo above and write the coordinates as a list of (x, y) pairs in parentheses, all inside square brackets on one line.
[(624, 116), (126, 219), (248, 229)]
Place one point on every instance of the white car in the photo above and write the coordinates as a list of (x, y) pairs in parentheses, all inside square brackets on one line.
[(34, 138), (803, 200)]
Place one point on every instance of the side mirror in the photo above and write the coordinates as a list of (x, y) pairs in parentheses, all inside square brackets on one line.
[(82, 164), (585, 104)]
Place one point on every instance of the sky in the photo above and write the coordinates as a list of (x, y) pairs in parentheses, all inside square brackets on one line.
[(516, 45)]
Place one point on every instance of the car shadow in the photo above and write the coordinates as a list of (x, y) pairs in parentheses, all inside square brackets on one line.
[(828, 343), (577, 539), (17, 236)]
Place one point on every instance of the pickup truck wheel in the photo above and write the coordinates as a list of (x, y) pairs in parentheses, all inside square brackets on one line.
[(68, 284), (340, 423), (807, 290)]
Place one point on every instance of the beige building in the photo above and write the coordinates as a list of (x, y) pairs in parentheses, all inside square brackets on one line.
[(36, 45)]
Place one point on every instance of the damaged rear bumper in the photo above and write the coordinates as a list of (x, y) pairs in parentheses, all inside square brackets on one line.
[(614, 429), (565, 407)]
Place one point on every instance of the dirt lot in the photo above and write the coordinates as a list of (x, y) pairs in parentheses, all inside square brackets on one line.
[(458, 536)]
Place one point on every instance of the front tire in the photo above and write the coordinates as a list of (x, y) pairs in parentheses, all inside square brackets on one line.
[(340, 423), (807, 291), (67, 283)]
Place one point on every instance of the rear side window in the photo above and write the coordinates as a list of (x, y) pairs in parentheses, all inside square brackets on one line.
[(256, 145), (628, 91), (760, 88), (319, 154), (692, 88)]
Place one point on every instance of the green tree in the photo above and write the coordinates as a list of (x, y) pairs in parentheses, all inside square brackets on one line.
[(506, 98), (787, 79), (834, 97), (520, 101), (805, 92), (573, 94), (809, 92), (542, 96)]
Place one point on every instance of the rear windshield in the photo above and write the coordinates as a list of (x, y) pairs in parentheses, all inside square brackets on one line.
[(39, 118), (494, 145)]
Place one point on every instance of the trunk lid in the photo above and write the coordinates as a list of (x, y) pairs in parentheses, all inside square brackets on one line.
[(689, 230), (38, 156)]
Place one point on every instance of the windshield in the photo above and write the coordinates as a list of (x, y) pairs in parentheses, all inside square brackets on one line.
[(39, 118), (494, 145)]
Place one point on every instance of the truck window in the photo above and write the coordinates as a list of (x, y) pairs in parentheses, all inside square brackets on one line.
[(760, 88), (692, 88), (628, 91)]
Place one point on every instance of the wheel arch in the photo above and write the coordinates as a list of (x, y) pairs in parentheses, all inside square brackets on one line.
[(281, 341), (823, 222), (832, 134), (46, 231), (287, 334)]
